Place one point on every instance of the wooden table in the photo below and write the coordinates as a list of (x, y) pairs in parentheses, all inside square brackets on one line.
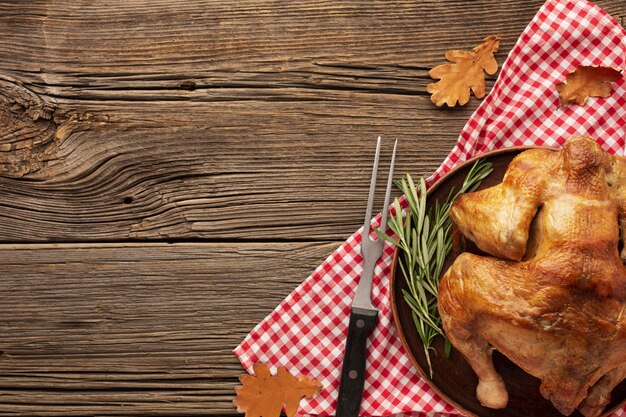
[(170, 170)]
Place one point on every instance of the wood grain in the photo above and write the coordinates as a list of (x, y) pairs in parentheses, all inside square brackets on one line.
[(122, 329), (172, 120), (243, 128), (275, 174)]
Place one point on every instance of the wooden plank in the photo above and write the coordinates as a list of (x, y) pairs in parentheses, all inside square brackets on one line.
[(126, 329), (259, 170), (174, 120), (177, 36)]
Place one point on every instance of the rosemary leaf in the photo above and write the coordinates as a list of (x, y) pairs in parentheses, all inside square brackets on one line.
[(425, 239)]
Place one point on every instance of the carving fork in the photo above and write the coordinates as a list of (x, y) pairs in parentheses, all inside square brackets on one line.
[(363, 315)]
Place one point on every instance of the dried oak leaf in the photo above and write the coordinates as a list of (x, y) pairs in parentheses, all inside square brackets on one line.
[(465, 73), (587, 82), (264, 394)]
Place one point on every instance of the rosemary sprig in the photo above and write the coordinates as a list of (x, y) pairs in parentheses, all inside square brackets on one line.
[(425, 239)]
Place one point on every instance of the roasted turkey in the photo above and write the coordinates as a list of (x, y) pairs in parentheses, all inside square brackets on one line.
[(552, 295)]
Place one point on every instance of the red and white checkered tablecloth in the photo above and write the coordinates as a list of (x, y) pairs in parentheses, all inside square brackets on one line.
[(306, 333)]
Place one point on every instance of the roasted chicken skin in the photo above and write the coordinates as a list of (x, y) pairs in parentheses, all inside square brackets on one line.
[(552, 296)]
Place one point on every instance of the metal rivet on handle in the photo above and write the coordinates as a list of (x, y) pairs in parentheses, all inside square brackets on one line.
[(353, 374), (360, 323)]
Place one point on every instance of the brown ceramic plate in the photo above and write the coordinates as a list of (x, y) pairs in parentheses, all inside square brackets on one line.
[(453, 378)]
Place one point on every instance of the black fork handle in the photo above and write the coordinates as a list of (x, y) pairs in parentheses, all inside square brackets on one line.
[(362, 321)]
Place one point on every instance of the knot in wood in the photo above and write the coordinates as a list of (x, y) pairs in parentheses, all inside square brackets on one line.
[(27, 130)]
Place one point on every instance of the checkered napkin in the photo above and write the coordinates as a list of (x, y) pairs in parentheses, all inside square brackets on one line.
[(307, 332)]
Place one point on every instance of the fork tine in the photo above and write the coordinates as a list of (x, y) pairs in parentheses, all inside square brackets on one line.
[(383, 224), (370, 198)]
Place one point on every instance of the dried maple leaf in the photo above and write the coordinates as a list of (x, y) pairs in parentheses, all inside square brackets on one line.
[(264, 394), (587, 82), (465, 73)]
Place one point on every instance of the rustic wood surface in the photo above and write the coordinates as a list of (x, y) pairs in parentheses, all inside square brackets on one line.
[(170, 170)]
